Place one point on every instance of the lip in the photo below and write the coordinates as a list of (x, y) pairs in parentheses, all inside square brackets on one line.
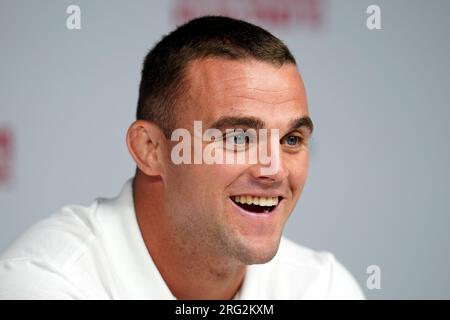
[(279, 196), (262, 215)]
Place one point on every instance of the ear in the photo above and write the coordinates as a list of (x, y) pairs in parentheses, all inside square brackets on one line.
[(146, 142)]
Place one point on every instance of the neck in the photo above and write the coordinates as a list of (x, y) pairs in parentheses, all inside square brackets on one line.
[(190, 267)]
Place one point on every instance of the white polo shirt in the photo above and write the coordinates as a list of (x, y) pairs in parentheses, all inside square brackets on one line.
[(97, 252)]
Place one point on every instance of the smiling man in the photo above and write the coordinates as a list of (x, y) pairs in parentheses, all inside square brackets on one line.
[(194, 229)]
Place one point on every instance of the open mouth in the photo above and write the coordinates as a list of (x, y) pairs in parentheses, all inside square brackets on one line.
[(256, 204)]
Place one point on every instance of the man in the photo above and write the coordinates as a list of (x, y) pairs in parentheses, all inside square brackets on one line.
[(187, 227)]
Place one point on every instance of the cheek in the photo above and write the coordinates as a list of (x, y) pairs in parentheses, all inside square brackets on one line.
[(202, 181), (216, 178), (298, 172)]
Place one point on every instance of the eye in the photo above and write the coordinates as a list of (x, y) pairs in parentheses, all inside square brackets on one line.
[(239, 140), (292, 140)]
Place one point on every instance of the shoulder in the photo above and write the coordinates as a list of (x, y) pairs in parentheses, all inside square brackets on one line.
[(299, 272), (52, 254), (64, 234)]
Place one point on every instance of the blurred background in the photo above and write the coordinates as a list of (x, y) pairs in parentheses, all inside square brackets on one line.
[(378, 186)]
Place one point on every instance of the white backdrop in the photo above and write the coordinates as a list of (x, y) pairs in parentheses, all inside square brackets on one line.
[(377, 192)]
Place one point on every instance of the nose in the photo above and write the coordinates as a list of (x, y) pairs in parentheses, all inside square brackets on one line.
[(270, 166)]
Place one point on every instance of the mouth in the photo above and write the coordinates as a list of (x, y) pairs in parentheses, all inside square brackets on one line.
[(254, 204)]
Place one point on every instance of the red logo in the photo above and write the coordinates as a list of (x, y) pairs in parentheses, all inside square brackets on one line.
[(5, 155), (275, 13)]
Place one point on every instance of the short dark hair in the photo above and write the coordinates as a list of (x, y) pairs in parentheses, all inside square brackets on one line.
[(162, 83)]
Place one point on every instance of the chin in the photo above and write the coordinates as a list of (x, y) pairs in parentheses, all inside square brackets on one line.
[(258, 252)]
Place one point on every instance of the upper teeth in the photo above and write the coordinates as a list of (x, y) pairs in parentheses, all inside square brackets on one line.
[(260, 201)]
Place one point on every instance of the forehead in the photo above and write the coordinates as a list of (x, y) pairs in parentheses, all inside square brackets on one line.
[(220, 87)]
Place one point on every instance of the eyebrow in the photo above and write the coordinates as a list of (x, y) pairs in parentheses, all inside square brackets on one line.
[(302, 122), (256, 123), (229, 122)]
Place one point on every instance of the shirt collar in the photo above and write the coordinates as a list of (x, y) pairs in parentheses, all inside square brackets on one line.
[(137, 275)]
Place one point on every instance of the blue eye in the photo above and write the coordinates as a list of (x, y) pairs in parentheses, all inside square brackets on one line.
[(239, 138), (293, 140)]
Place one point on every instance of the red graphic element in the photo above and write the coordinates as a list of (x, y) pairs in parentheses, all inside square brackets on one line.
[(270, 13), (5, 155)]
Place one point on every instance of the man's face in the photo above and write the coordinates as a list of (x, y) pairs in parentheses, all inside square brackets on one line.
[(205, 201)]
